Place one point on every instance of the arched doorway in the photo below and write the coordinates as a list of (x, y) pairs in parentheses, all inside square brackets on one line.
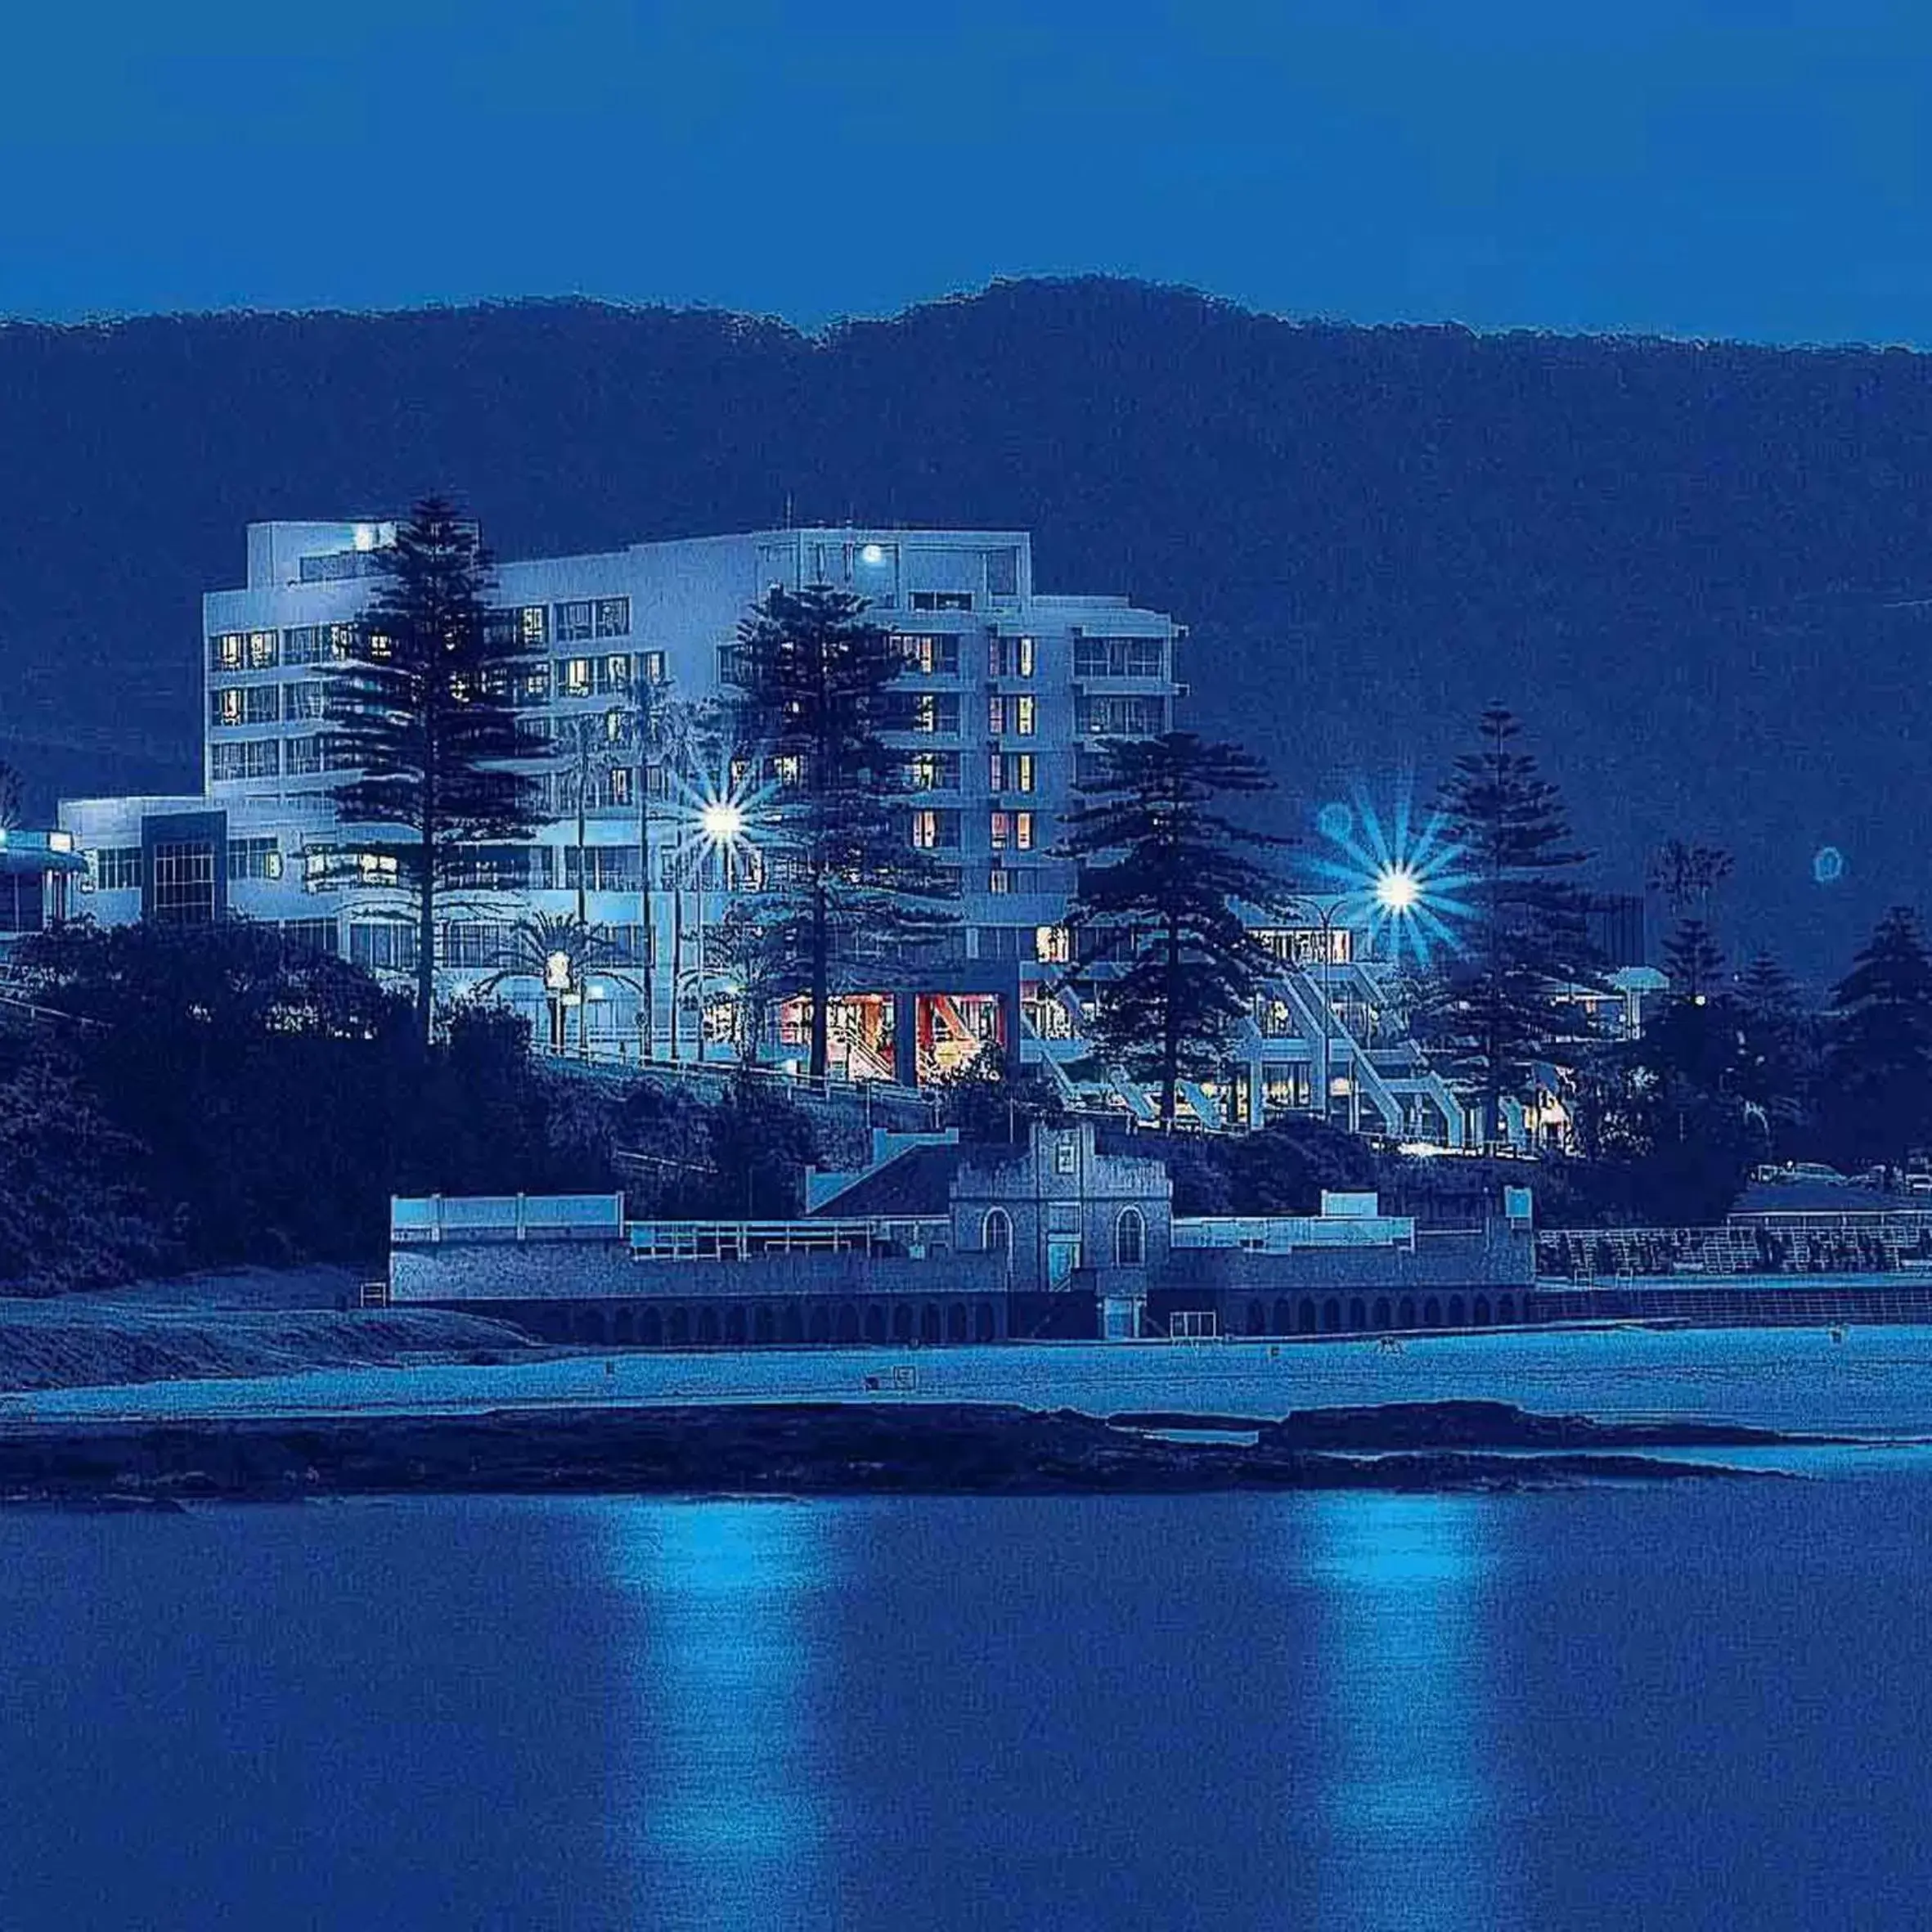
[(1357, 1320), (1129, 1239), (1455, 1312), (1431, 1313), (734, 1325), (1284, 1322), (1479, 1314), (765, 1325), (1305, 1319), (1331, 1315), (1257, 1319), (650, 1329), (677, 1328), (819, 1327), (1405, 1314), (708, 1327), (1506, 1309)]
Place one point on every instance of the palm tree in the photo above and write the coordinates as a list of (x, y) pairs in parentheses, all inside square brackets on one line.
[(558, 952)]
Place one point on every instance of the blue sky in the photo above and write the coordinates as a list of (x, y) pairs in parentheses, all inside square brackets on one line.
[(1756, 170)]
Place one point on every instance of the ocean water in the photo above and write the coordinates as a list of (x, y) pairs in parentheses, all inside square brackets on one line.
[(1687, 1705)]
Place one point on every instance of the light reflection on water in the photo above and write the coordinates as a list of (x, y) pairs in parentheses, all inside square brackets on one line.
[(722, 1788), (1410, 1622)]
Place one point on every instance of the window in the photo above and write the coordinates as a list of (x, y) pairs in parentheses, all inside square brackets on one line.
[(1119, 657), (254, 858), (933, 772), (303, 643), (613, 617), (256, 757), (535, 623), (1010, 829), (263, 650), (383, 946), (342, 641), (930, 711), (117, 869), (1130, 1239), (1003, 573), (999, 881), (302, 756), (228, 652), (650, 667), (473, 942), (502, 868), (941, 600), (183, 884), (1065, 1155), (309, 935), (1022, 715), (1053, 945), (995, 714), (1012, 771), (929, 656), (603, 868), (240, 704), (574, 622), (593, 677), (531, 684), (995, 1232), (1011, 657), (319, 873), (308, 700), (933, 831), (1120, 717)]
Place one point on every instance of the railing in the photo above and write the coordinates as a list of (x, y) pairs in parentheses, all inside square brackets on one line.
[(739, 1241), (1278, 1234), (1876, 1241)]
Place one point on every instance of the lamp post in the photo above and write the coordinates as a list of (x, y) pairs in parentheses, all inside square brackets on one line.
[(1325, 912), (720, 824)]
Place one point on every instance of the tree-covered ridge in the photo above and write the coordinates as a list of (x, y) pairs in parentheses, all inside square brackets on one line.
[(1692, 566)]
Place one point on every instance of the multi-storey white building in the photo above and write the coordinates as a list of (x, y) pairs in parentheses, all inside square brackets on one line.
[(1007, 696), (1006, 692)]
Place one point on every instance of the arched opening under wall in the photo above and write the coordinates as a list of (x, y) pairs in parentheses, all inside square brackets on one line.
[(1304, 1318), (1479, 1314), (650, 1329), (1405, 1314), (985, 1327), (1257, 1319), (677, 1327), (848, 1322), (1284, 1320), (1357, 1320), (1332, 1316), (1431, 1313), (956, 1321), (792, 1324), (735, 1328), (1129, 1239), (901, 1322), (929, 1322), (765, 1325), (819, 1327), (1506, 1309), (875, 1323), (1456, 1317), (708, 1327), (1381, 1311)]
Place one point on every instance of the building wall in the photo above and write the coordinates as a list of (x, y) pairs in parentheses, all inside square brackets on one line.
[(535, 1271), (1061, 1189)]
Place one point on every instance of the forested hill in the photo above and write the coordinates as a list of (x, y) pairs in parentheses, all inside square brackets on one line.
[(1690, 568)]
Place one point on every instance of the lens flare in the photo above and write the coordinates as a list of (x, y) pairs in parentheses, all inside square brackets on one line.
[(1402, 883)]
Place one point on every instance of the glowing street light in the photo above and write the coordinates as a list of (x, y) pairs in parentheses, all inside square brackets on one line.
[(1397, 890), (721, 820)]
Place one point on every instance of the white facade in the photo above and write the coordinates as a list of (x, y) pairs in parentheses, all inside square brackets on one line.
[(1006, 690)]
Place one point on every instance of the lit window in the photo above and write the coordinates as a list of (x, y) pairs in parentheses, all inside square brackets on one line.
[(925, 830), (1065, 1155), (262, 651), (342, 642), (613, 617), (786, 768), (1022, 717), (535, 623), (999, 881), (225, 705), (1053, 945), (651, 667), (995, 714), (1022, 830), (576, 681), (227, 652), (574, 622), (1000, 830), (254, 858)]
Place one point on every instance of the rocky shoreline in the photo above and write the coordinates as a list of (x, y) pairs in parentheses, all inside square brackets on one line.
[(835, 1450)]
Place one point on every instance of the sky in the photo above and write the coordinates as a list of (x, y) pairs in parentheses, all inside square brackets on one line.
[(1747, 168)]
